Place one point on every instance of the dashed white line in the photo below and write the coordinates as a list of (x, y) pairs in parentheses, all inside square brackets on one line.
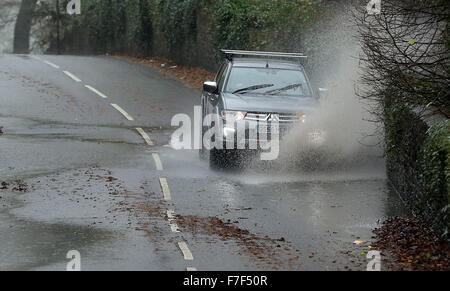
[(51, 64), (170, 214), (174, 228), (165, 189), (158, 162), (96, 91), (124, 113), (171, 218), (145, 136), (191, 269), (72, 76), (186, 252)]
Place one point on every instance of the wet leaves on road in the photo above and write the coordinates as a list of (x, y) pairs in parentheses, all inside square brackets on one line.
[(267, 251), (413, 245), (15, 186)]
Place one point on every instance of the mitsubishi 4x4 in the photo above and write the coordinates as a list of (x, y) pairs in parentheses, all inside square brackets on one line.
[(255, 88)]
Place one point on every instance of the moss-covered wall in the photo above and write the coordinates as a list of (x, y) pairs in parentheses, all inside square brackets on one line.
[(418, 163)]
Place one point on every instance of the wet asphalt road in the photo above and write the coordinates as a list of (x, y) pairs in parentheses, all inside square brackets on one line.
[(81, 177)]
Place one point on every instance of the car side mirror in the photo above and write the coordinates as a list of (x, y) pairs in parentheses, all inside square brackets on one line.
[(323, 92), (210, 87)]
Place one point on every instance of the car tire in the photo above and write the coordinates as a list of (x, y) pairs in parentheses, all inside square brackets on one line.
[(202, 152), (225, 159), (312, 161), (217, 159)]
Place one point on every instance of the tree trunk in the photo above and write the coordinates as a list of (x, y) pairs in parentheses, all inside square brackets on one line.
[(23, 27)]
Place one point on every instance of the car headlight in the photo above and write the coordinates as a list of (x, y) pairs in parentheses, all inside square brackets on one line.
[(234, 115), (301, 116)]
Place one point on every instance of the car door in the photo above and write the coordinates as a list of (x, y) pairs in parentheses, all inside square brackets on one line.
[(210, 100)]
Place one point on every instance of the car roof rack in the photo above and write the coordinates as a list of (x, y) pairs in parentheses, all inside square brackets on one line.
[(229, 54)]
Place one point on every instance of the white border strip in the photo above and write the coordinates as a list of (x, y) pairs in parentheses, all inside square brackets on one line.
[(174, 228), (171, 218), (124, 113), (145, 136), (158, 162), (191, 269), (170, 214), (72, 76), (186, 252), (96, 91), (51, 64), (165, 188)]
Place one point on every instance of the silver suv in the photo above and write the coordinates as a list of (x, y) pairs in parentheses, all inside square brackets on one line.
[(258, 89)]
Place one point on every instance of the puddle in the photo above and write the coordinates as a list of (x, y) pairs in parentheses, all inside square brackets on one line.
[(27, 244), (90, 210)]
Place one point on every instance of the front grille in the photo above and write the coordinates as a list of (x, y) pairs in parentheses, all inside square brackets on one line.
[(271, 117)]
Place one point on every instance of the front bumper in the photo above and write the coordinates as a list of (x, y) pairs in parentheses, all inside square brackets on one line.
[(260, 135)]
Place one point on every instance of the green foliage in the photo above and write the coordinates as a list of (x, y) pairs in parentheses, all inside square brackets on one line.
[(129, 25), (419, 163), (176, 19), (435, 169), (435, 158), (247, 24), (139, 26)]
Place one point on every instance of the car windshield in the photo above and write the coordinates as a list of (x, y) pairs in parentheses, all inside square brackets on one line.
[(267, 81)]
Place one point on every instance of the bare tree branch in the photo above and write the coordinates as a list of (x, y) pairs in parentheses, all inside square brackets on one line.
[(406, 53)]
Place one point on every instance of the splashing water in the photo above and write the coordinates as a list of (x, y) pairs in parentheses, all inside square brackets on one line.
[(339, 133)]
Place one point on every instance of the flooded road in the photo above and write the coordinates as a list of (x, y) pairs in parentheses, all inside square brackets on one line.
[(92, 182)]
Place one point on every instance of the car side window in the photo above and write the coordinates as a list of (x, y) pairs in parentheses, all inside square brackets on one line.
[(219, 72), (220, 78)]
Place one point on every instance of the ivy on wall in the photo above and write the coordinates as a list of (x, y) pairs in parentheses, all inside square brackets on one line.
[(139, 29), (434, 162), (418, 161), (246, 24), (176, 20)]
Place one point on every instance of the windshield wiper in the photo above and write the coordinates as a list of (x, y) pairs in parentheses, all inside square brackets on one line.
[(290, 87), (252, 88)]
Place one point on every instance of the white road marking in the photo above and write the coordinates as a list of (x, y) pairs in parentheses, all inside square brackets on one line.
[(170, 214), (145, 136), (171, 218), (51, 64), (165, 188), (158, 162), (191, 269), (72, 76), (174, 228), (96, 91), (186, 252), (124, 113)]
